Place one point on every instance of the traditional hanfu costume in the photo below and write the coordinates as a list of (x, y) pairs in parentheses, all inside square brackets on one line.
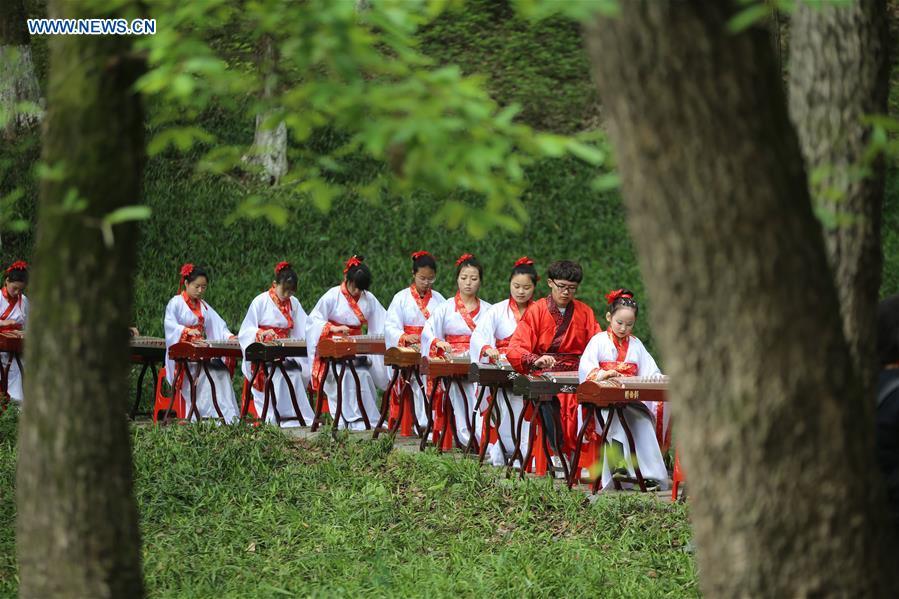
[(337, 307), (453, 323), (495, 331), (287, 319), (547, 329), (406, 315), (182, 314), (629, 357), (13, 309)]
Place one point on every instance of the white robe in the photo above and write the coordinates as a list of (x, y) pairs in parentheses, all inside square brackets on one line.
[(333, 307), (402, 312), (445, 320), (499, 323), (178, 316), (20, 315), (264, 313), (640, 417)]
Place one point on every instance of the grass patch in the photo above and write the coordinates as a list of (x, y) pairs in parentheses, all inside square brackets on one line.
[(246, 512)]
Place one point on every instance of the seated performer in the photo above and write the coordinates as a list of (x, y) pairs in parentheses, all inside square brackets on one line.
[(552, 336), (349, 309), (13, 317), (613, 353), (190, 319), (448, 331), (490, 341), (406, 317), (277, 314)]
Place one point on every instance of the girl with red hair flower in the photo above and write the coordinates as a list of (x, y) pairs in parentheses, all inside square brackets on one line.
[(190, 319), (277, 314), (13, 316)]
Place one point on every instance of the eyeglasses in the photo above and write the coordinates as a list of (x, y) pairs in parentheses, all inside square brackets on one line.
[(425, 281), (572, 289)]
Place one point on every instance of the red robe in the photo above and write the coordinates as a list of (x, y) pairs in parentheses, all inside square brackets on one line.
[(536, 336)]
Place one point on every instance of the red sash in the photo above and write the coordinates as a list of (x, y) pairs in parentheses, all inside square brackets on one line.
[(284, 306), (467, 316), (459, 343), (197, 309), (8, 311), (410, 329), (421, 301), (354, 306)]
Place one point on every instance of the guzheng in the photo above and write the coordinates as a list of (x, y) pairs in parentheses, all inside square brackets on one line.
[(453, 365), (276, 349), (624, 390), (12, 341), (548, 383), (212, 349), (148, 348), (492, 375), (352, 345), (402, 357)]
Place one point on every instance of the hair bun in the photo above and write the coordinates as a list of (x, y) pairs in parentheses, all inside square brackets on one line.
[(281, 266)]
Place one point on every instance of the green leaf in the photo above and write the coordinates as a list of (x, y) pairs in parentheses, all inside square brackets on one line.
[(127, 214), (748, 17)]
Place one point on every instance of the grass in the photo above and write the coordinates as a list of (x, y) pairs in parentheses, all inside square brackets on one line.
[(246, 512)]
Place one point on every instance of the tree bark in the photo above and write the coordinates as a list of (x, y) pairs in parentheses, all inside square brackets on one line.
[(269, 149), (18, 83), (773, 426), (77, 521), (839, 74)]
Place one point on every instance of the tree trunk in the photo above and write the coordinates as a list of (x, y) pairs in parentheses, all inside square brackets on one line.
[(77, 521), (839, 74), (18, 82), (269, 149), (774, 430)]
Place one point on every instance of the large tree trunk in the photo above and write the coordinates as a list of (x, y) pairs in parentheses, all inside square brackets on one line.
[(773, 426), (839, 74), (18, 82), (77, 522), (269, 149)]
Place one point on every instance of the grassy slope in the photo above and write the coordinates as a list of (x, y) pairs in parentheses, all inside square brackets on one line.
[(241, 512)]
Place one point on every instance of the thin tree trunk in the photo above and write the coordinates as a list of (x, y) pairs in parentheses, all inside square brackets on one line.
[(77, 521), (269, 150), (839, 74), (18, 82), (771, 420)]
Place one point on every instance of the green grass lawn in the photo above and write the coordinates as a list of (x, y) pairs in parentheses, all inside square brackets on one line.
[(247, 512)]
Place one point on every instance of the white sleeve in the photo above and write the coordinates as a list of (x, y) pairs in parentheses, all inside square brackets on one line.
[(484, 335), (173, 330), (646, 365), (393, 326), (433, 330), (216, 327), (300, 320), (247, 335), (589, 359), (26, 306), (317, 320), (376, 319)]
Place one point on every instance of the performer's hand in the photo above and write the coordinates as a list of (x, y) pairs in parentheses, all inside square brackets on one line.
[(193, 333), (544, 362), (601, 375), (340, 330), (492, 353), (268, 335), (7, 323), (411, 338), (445, 347), (134, 332)]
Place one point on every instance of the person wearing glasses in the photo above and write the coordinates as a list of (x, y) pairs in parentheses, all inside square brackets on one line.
[(406, 317), (551, 336)]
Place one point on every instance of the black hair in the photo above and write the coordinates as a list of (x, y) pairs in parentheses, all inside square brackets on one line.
[(287, 278), (565, 270), (424, 261), (525, 269), (360, 275), (17, 275), (470, 261), (624, 300), (888, 330), (196, 273)]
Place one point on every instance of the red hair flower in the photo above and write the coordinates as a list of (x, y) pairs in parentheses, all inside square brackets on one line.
[(281, 266), (419, 254), (354, 261), (186, 269), (463, 258), (524, 260), (17, 265), (614, 295)]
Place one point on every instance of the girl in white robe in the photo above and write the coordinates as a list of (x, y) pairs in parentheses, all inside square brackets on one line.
[(406, 317), (190, 319), (488, 344), (448, 331), (13, 317), (349, 309), (615, 352), (277, 314)]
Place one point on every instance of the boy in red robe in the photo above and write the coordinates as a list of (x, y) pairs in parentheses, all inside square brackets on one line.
[(551, 336)]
